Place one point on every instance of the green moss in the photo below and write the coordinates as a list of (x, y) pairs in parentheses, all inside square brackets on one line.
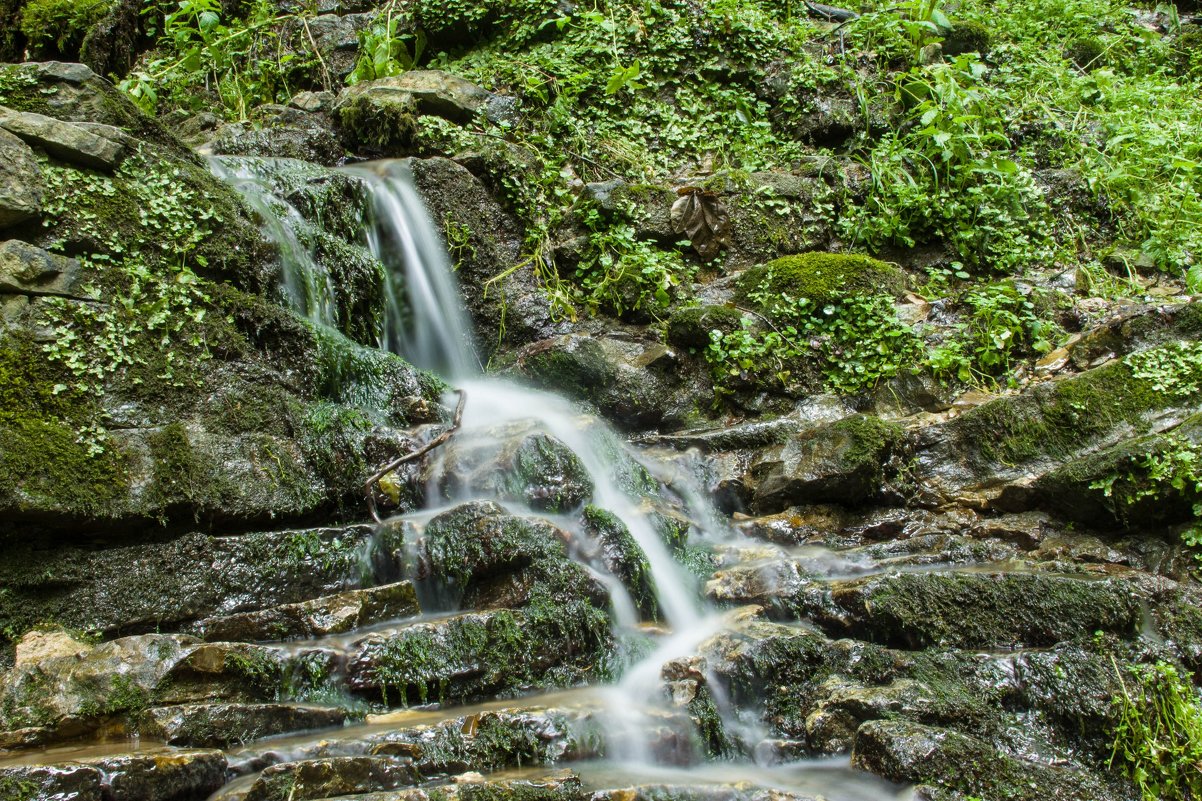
[(56, 28), (821, 278), (181, 476), (981, 610), (967, 37), (388, 128), (1058, 418), (14, 789), (870, 440), (690, 328)]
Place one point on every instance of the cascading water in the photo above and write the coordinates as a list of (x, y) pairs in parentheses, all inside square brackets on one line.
[(425, 322), (307, 285)]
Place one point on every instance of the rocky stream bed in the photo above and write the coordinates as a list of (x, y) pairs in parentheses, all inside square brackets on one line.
[(916, 592)]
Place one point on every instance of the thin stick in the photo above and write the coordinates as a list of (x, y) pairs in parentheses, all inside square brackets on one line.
[(369, 486)]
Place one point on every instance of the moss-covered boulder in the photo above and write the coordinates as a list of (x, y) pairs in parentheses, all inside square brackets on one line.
[(635, 385), (984, 610), (822, 278), (690, 328), (843, 462), (912, 753)]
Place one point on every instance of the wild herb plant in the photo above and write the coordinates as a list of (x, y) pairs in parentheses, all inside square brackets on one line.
[(1157, 738)]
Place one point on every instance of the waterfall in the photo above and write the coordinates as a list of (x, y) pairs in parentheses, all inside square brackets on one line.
[(424, 318), (427, 324)]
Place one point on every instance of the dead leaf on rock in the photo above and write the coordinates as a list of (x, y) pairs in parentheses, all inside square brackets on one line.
[(698, 215)]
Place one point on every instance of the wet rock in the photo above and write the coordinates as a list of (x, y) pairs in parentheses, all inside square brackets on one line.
[(983, 610), (239, 672), (21, 186), (533, 469), (622, 557), (635, 385), (73, 694), (161, 774), (300, 139), (223, 725), (379, 114), (319, 617), (67, 782), (142, 586), (908, 752), (38, 646), (63, 140), (831, 727), (315, 779), (28, 270), (843, 462)]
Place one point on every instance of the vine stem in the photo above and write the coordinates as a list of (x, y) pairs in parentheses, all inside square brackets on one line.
[(369, 485)]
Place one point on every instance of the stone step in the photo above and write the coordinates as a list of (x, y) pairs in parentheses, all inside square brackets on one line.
[(162, 774), (320, 617), (223, 725)]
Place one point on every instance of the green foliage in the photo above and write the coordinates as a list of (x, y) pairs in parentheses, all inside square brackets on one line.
[(1157, 738), (384, 49), (946, 175), (57, 27), (1175, 369), (1171, 471), (855, 341), (241, 61)]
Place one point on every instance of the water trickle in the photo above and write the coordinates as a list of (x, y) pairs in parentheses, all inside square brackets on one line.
[(307, 284)]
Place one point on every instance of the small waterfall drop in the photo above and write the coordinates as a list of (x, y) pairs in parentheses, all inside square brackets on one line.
[(427, 324), (307, 284), (424, 318)]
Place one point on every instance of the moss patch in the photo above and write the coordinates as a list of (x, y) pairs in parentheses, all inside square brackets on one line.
[(822, 278), (55, 29)]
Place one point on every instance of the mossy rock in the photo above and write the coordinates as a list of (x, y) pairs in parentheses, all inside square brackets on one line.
[(1058, 419), (843, 462), (822, 278), (690, 328), (982, 610), (967, 37)]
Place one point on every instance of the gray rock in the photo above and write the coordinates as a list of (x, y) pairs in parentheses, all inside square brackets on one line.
[(842, 462), (66, 782), (308, 142), (373, 113), (28, 270), (21, 187), (63, 140), (313, 101), (222, 725), (636, 385), (319, 617), (165, 774)]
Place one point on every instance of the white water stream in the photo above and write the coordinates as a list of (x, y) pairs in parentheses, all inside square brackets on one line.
[(427, 324)]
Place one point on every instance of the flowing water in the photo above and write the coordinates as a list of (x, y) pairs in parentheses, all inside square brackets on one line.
[(426, 323)]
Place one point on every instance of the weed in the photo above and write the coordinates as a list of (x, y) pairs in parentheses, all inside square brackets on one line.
[(1157, 739)]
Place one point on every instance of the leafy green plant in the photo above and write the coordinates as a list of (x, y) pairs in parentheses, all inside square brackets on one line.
[(1157, 737), (57, 27), (241, 61), (384, 48)]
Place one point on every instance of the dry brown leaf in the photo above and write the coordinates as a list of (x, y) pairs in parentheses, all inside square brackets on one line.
[(698, 215)]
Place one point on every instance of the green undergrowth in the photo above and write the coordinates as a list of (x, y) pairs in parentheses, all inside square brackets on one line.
[(1158, 732)]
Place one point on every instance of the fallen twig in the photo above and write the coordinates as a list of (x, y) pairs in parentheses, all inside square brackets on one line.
[(369, 486)]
